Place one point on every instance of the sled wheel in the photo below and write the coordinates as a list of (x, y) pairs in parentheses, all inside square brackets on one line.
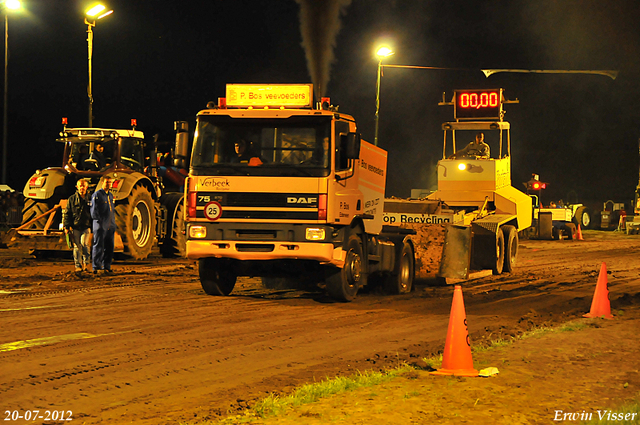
[(510, 236), (498, 263), (570, 231)]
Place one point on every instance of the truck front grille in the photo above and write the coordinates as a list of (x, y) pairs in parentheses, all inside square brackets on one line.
[(249, 247)]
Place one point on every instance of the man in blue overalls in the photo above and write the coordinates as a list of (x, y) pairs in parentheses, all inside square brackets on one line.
[(104, 227)]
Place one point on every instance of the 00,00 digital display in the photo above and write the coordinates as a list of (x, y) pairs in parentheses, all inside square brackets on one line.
[(479, 100), (472, 104)]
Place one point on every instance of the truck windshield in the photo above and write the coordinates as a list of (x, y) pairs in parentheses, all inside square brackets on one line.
[(295, 146)]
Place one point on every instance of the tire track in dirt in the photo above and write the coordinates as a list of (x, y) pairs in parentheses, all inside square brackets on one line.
[(196, 356)]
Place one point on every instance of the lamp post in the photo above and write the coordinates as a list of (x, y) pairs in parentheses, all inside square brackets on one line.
[(95, 12), (382, 53), (8, 5)]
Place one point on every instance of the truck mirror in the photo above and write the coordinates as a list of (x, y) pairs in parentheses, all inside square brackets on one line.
[(352, 146), (181, 149)]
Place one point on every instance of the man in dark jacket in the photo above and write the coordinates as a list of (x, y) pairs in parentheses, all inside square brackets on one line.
[(77, 224), (104, 226)]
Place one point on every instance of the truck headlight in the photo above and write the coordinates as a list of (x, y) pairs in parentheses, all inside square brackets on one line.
[(198, 232), (314, 234)]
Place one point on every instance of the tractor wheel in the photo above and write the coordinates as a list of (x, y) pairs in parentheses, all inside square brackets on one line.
[(510, 236), (343, 284), (136, 222), (215, 278), (401, 280), (176, 245), (582, 217), (32, 209)]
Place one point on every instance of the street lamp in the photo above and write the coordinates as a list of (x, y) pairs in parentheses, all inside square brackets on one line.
[(95, 12), (382, 53), (8, 6)]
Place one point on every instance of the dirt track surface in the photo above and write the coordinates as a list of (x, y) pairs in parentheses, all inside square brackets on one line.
[(146, 346)]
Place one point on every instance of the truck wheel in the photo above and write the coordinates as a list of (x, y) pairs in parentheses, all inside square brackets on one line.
[(176, 246), (582, 217), (32, 209), (136, 222), (343, 284), (401, 280), (510, 236), (215, 279)]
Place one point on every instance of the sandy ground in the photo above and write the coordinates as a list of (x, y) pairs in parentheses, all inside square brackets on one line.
[(146, 346)]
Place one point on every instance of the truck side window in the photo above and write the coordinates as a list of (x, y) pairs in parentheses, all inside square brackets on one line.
[(341, 128)]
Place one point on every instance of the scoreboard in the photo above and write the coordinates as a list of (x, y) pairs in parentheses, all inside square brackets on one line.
[(478, 104)]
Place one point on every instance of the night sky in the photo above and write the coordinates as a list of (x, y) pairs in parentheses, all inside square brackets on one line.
[(161, 61)]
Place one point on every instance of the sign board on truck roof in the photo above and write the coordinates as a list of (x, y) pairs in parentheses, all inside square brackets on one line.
[(270, 95)]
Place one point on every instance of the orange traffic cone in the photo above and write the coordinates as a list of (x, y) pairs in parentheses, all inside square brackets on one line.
[(579, 232), (600, 306), (456, 359)]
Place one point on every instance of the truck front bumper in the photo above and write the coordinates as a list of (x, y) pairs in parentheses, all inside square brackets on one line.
[(324, 253)]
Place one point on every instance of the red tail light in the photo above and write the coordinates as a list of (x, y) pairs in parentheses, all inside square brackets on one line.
[(191, 204), (322, 207), (37, 181)]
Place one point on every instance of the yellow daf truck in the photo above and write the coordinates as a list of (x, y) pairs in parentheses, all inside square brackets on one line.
[(279, 186)]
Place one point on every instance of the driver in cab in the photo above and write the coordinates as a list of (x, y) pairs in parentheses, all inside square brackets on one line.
[(475, 149), (244, 155)]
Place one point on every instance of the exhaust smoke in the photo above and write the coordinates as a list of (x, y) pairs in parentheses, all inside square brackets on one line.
[(319, 26)]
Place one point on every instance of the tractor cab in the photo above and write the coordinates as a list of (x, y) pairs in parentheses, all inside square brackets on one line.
[(97, 151)]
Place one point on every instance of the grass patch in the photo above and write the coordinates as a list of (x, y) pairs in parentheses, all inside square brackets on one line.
[(274, 405)]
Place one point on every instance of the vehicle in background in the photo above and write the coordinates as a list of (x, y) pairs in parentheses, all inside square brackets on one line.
[(471, 223), (146, 210)]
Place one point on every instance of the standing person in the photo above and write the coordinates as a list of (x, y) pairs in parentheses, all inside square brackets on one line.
[(104, 227), (477, 149), (77, 223)]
